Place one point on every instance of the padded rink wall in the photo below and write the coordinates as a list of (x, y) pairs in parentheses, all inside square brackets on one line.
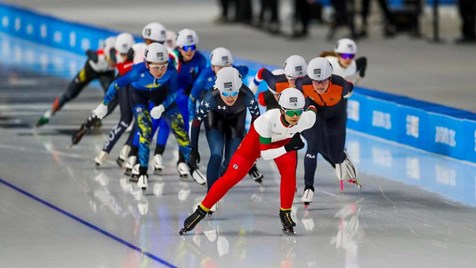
[(426, 126)]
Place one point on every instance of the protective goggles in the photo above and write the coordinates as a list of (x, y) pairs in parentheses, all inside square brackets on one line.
[(291, 113), (189, 48), (229, 94), (346, 56), (158, 67), (321, 81)]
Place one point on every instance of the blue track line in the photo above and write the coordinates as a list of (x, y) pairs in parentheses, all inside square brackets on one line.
[(106, 233)]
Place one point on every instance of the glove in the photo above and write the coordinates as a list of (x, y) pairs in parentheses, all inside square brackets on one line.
[(157, 111), (295, 143), (130, 54), (100, 111), (194, 157), (92, 55), (112, 55)]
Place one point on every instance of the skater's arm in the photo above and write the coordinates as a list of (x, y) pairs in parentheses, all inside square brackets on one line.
[(361, 64), (202, 112), (117, 84), (252, 105)]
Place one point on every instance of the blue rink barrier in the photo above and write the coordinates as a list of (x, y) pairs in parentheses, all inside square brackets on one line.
[(427, 126)]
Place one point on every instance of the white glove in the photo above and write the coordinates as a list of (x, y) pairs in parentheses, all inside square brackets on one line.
[(100, 111), (157, 111)]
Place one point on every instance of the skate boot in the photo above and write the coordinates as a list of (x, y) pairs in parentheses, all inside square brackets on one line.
[(85, 128), (100, 158), (158, 164), (255, 174), (78, 134), (287, 221), (42, 121), (122, 158), (135, 173), (143, 178), (347, 171), (197, 175), (182, 169), (142, 181), (193, 220), (131, 161), (307, 196)]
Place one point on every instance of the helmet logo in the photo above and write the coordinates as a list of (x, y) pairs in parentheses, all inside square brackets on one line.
[(228, 86), (147, 31), (317, 72), (293, 101), (224, 59), (160, 55), (189, 38), (298, 69), (162, 32)]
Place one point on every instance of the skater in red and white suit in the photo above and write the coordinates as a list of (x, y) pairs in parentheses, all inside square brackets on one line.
[(274, 135)]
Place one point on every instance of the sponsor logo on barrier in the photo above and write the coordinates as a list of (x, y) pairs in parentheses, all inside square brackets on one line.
[(445, 175), (17, 24), (413, 168), (353, 110), (43, 31), (413, 125), (29, 29), (445, 136), (58, 37), (72, 39), (85, 44), (5, 22), (381, 119)]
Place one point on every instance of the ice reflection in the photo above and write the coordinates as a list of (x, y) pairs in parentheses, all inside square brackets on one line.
[(450, 177), (349, 233)]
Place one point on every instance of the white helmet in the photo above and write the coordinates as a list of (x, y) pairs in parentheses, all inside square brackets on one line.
[(156, 53), (187, 37), (221, 56), (124, 42), (228, 80), (171, 36), (291, 99), (139, 50), (319, 69), (109, 43), (295, 66), (154, 31), (276, 72), (346, 46)]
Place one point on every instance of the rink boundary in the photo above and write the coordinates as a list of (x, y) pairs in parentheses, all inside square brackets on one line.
[(423, 125), (87, 224)]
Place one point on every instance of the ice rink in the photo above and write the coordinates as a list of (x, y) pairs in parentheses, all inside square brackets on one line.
[(415, 209)]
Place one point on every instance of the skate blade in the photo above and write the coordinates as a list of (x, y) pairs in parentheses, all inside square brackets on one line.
[(158, 170), (198, 177), (120, 162), (289, 231), (182, 231)]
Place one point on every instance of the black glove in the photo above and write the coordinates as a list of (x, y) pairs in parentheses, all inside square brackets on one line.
[(295, 143), (112, 55), (130, 54), (194, 157), (92, 55)]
